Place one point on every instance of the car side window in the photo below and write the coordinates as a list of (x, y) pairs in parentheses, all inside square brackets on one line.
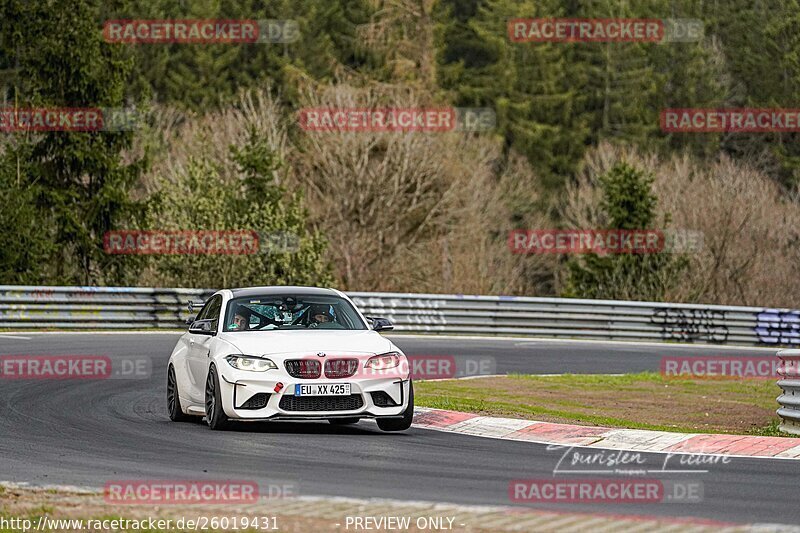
[(204, 311), (214, 307)]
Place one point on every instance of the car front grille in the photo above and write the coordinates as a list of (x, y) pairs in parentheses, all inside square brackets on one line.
[(322, 403), (340, 368), (303, 368)]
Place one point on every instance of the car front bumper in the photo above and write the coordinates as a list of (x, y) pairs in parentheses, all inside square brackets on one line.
[(369, 397)]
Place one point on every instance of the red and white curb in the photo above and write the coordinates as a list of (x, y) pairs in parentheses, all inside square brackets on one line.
[(635, 440)]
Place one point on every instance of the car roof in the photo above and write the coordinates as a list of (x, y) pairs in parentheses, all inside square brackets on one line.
[(267, 291)]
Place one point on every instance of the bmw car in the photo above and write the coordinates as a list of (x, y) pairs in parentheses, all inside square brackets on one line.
[(288, 353)]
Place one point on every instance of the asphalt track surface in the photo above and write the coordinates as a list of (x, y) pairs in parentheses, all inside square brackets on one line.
[(87, 433)]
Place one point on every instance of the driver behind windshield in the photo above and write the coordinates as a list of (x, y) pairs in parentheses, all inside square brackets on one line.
[(241, 319), (319, 314)]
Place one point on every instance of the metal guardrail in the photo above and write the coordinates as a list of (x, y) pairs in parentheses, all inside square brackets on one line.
[(28, 307), (789, 382), (588, 319)]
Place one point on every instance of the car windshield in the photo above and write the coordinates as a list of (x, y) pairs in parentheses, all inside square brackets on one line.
[(291, 312)]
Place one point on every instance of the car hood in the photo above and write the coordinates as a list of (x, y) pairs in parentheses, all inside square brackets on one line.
[(330, 342)]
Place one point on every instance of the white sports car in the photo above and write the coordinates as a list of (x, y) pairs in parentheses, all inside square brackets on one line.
[(288, 353)]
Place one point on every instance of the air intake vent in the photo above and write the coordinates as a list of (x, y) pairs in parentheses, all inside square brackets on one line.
[(322, 403), (381, 399), (259, 401)]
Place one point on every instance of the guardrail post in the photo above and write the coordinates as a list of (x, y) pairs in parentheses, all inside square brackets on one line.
[(789, 400)]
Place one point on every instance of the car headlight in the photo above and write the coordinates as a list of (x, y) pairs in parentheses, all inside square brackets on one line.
[(383, 361), (253, 364)]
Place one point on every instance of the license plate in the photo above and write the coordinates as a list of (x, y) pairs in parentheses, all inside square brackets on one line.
[(322, 389)]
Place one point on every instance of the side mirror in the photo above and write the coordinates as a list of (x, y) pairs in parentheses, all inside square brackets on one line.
[(189, 321), (381, 324), (202, 327)]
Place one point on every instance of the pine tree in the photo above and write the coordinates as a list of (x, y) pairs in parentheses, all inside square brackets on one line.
[(204, 76), (783, 51), (26, 242), (528, 85), (762, 47), (204, 199), (629, 204), (82, 182)]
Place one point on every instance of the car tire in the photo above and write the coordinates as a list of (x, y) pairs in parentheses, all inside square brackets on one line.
[(215, 415), (344, 421), (400, 424), (174, 408)]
